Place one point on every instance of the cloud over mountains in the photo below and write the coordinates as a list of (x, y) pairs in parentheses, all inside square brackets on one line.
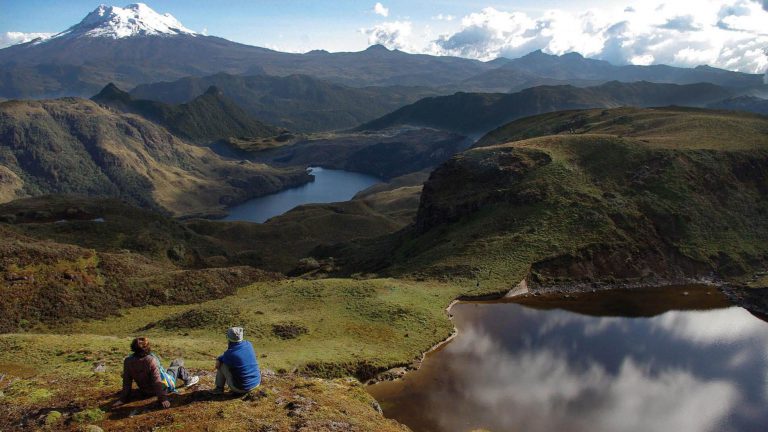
[(731, 34), (13, 38)]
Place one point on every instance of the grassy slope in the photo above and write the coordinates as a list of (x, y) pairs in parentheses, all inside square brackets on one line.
[(660, 127), (76, 146), (634, 196), (352, 328), (102, 245), (108, 225), (61, 379), (276, 245), (208, 117), (44, 283)]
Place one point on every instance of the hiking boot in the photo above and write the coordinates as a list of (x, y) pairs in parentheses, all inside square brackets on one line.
[(192, 381), (217, 391)]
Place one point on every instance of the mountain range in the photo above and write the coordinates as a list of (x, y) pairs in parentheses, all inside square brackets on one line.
[(297, 102), (135, 45), (743, 103), (573, 68), (477, 113), (153, 47)]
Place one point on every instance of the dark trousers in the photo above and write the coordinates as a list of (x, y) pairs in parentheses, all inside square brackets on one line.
[(224, 376), (178, 371)]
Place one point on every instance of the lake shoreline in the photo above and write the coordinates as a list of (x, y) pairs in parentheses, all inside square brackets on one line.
[(546, 293), (680, 299), (319, 177)]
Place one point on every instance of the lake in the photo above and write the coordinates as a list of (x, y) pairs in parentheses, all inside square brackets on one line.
[(675, 359), (329, 186)]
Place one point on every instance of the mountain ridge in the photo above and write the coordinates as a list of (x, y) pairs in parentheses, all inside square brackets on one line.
[(207, 118), (76, 146), (297, 102), (81, 66), (477, 113), (574, 66)]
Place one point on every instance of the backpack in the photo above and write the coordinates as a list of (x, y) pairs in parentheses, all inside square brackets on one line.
[(169, 382)]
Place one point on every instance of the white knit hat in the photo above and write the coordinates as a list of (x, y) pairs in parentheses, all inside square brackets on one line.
[(235, 334)]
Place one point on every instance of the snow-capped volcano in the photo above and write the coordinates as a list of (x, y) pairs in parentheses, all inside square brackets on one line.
[(135, 19)]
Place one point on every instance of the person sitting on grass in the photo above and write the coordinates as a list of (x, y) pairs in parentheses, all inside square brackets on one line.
[(237, 367), (144, 367)]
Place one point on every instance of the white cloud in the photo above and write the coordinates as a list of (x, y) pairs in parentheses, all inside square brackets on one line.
[(393, 35), (442, 17), (379, 9), (730, 34), (13, 38), (713, 327)]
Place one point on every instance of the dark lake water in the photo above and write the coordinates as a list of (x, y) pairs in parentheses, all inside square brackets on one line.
[(329, 186), (676, 360)]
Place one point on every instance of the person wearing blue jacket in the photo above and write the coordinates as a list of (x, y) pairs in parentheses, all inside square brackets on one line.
[(237, 367)]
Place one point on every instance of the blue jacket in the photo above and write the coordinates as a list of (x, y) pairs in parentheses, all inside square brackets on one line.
[(240, 358)]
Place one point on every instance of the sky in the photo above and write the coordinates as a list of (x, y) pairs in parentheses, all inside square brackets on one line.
[(731, 34)]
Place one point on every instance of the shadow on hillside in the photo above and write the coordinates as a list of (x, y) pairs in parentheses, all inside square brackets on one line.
[(140, 405)]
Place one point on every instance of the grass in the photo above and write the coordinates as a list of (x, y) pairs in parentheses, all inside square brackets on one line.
[(338, 328), (75, 146), (284, 402), (562, 210), (44, 282), (625, 196), (383, 322), (671, 127)]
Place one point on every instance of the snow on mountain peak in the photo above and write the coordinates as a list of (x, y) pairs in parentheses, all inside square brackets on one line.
[(136, 19)]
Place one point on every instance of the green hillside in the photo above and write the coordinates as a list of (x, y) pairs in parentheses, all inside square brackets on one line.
[(478, 113), (660, 127), (297, 102), (75, 146), (626, 196), (206, 118)]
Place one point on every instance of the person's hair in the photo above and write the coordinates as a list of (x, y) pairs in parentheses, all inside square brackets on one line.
[(140, 346)]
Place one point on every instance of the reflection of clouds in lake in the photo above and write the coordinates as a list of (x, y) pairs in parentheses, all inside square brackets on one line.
[(713, 327), (592, 326), (540, 391), (595, 327)]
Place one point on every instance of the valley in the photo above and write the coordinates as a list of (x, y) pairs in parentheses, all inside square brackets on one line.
[(410, 241)]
